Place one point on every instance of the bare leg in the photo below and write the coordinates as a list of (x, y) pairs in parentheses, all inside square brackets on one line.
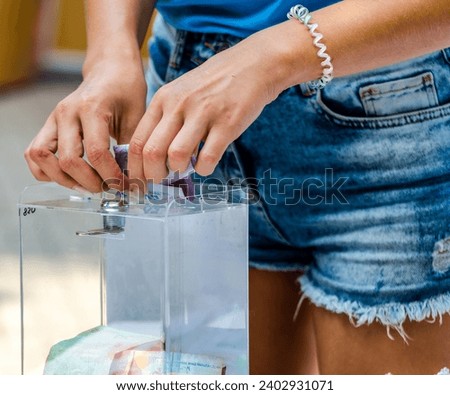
[(278, 345), (344, 349)]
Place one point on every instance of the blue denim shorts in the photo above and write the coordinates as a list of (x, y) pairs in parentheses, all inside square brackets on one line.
[(352, 182)]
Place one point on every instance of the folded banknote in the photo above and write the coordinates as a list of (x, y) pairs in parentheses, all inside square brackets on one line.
[(105, 350), (141, 362), (93, 351)]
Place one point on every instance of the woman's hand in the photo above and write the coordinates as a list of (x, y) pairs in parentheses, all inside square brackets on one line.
[(213, 103), (109, 102)]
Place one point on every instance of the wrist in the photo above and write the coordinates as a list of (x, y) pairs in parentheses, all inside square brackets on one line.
[(295, 54), (123, 52), (289, 57)]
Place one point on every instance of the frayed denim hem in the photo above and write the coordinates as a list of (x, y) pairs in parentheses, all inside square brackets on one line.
[(444, 372), (391, 315), (272, 267)]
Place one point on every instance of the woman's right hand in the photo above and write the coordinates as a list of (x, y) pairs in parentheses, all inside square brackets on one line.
[(72, 148)]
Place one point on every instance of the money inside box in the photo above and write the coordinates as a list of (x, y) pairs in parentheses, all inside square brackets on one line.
[(154, 287)]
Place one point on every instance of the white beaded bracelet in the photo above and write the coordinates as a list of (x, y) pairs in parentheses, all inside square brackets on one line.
[(303, 15)]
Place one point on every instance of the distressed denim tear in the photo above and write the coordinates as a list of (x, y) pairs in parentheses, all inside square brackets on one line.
[(441, 256)]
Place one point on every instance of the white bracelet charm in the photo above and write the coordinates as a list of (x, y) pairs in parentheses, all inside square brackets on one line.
[(303, 15)]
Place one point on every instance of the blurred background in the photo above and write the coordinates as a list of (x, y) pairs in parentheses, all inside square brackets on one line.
[(42, 47)]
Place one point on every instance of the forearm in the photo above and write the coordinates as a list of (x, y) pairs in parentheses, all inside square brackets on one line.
[(115, 28), (361, 35)]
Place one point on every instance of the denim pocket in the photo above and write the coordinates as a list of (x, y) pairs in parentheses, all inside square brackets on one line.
[(379, 122), (383, 110), (399, 96), (409, 92)]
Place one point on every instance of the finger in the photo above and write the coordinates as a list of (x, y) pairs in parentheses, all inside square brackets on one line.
[(211, 152), (155, 150), (184, 146), (70, 153), (134, 112), (135, 153), (96, 144), (42, 154), (35, 170)]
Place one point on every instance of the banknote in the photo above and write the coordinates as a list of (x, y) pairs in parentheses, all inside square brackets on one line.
[(175, 185), (105, 350), (173, 363), (93, 351), (122, 360)]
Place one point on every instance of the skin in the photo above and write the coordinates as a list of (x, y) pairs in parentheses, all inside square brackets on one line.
[(109, 102), (344, 349), (278, 344), (215, 103)]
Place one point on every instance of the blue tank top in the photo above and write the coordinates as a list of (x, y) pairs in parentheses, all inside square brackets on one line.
[(238, 17)]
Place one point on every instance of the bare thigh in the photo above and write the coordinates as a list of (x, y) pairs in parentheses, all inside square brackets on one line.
[(344, 349), (278, 344)]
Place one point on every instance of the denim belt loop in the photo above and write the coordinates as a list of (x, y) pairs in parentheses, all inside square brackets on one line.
[(176, 55)]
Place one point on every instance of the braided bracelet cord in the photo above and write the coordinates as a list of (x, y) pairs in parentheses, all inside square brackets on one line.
[(303, 15)]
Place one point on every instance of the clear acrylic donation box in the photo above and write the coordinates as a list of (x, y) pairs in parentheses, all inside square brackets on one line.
[(141, 288)]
